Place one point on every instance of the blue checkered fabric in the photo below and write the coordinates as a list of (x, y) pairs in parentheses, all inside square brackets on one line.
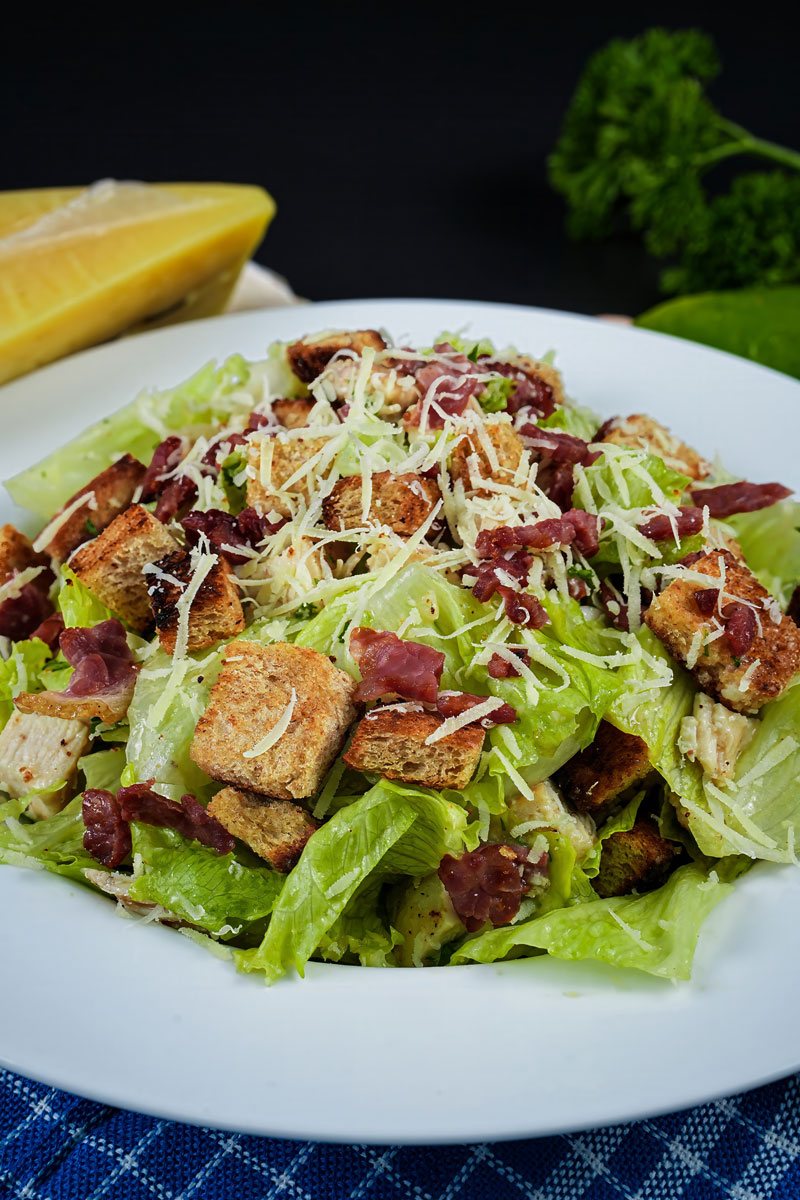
[(54, 1146)]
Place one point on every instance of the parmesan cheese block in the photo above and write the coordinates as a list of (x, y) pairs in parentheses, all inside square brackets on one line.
[(81, 265)]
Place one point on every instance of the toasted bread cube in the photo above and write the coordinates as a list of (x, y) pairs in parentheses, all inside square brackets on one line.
[(309, 356), (743, 683), (403, 502), (104, 498), (112, 565), (292, 414), (271, 462), (277, 830), (643, 433), (37, 752), (253, 691), (215, 612), (470, 462), (398, 389), (17, 554), (638, 859), (595, 780), (392, 743)]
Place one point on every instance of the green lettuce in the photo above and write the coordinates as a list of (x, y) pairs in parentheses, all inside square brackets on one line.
[(79, 607), (210, 396), (55, 844), (621, 823), (580, 422), (392, 830), (220, 893), (770, 540), (21, 672), (656, 932), (161, 733), (103, 769)]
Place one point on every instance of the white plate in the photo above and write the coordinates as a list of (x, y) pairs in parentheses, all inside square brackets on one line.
[(139, 1017)]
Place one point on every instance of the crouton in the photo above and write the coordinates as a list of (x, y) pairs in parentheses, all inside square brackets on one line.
[(277, 830), (398, 390), (104, 498), (596, 780), (403, 502), (470, 462), (638, 859), (643, 433), (309, 356), (112, 565), (743, 683), (271, 463), (714, 737), (214, 613), (37, 752), (392, 743), (526, 818), (255, 688), (292, 414), (17, 554)]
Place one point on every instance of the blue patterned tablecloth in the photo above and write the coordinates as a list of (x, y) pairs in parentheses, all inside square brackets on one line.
[(54, 1146)]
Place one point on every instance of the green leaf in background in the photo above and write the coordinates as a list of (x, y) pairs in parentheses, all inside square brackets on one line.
[(55, 844), (758, 323), (770, 540)]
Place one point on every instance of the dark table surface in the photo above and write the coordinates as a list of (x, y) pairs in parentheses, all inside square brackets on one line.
[(405, 146)]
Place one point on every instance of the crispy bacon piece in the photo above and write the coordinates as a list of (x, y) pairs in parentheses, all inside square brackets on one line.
[(561, 485), (553, 531), (225, 532), (108, 836), (531, 391), (453, 382), (689, 560), (501, 668), (738, 619), (487, 579), (488, 884), (659, 528), (102, 681), (523, 609), (140, 803), (177, 496), (453, 704), (391, 665), (259, 420), (730, 498), (740, 627), (50, 631), (558, 447), (166, 457), (614, 605), (706, 600), (20, 615), (587, 529), (219, 450)]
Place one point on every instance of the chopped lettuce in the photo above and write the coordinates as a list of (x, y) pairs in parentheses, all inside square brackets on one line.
[(55, 844), (79, 607), (656, 932), (770, 540), (162, 717), (392, 830), (21, 672), (103, 769), (580, 422), (212, 395), (220, 893)]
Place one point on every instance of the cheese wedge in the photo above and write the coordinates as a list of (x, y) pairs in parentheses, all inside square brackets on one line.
[(81, 265)]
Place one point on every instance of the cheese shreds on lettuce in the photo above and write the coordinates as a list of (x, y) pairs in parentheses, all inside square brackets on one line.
[(313, 586)]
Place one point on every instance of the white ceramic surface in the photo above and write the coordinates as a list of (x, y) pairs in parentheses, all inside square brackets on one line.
[(140, 1017)]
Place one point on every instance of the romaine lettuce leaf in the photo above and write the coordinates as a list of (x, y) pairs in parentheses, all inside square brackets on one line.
[(580, 422), (161, 734), (392, 830), (219, 893), (103, 768), (210, 396), (21, 672), (79, 607), (55, 844), (656, 932), (770, 540)]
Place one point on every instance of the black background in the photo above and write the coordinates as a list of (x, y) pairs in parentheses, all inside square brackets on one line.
[(405, 146)]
